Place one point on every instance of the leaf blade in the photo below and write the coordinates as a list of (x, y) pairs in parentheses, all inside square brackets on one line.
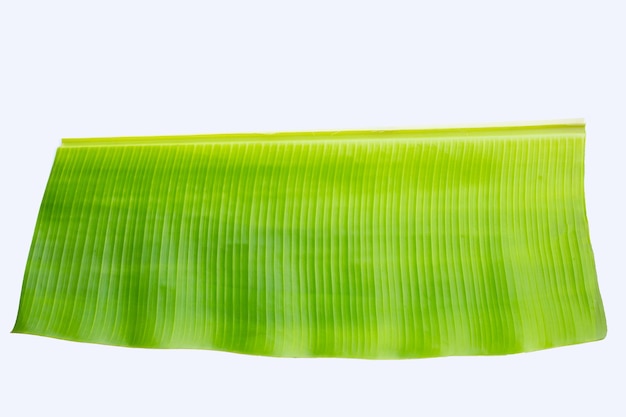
[(384, 244)]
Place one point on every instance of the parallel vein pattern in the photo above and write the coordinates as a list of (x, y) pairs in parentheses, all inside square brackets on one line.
[(392, 246)]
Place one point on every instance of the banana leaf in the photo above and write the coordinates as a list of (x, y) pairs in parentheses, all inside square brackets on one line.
[(359, 244)]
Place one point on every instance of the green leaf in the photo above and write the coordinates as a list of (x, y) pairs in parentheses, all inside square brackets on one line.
[(364, 244)]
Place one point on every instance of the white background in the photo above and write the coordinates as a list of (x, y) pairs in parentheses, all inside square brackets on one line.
[(81, 68)]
